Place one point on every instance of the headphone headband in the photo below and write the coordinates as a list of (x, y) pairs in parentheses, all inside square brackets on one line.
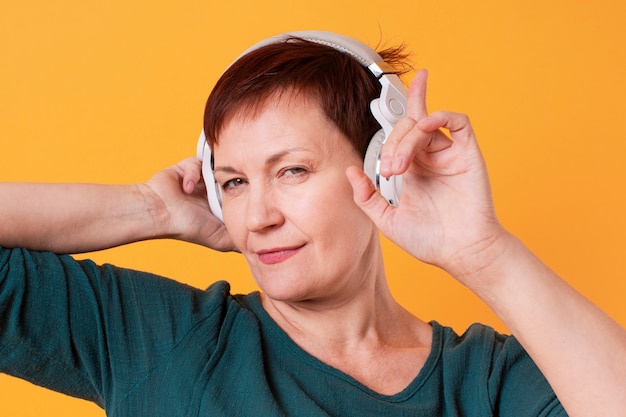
[(356, 49)]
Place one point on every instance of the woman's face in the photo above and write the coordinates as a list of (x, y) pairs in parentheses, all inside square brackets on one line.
[(288, 205)]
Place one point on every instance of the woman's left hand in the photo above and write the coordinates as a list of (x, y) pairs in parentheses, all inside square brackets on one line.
[(445, 215)]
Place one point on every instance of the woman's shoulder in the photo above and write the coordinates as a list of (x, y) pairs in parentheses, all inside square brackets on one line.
[(494, 367), (480, 346), (476, 334)]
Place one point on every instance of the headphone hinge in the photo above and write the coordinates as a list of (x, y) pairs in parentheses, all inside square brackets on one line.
[(381, 68)]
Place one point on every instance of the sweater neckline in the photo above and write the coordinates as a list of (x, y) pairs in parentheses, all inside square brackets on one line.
[(253, 301)]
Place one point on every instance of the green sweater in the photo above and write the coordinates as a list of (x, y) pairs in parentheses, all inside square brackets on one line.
[(141, 345)]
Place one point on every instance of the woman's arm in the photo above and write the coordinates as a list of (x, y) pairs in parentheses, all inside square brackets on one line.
[(580, 350), (446, 218), (72, 218), (76, 217)]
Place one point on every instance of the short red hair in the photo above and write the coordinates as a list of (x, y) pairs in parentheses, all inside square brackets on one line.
[(338, 82)]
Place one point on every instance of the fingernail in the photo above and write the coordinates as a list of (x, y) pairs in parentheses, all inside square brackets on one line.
[(385, 165), (397, 163)]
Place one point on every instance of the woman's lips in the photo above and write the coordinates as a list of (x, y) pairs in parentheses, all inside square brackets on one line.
[(277, 255)]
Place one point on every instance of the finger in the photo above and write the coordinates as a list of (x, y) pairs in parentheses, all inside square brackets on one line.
[(366, 196), (413, 144), (416, 101), (396, 160), (389, 151), (457, 124), (191, 172), (394, 155)]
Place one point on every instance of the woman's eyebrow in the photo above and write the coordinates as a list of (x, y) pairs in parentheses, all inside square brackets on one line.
[(279, 155), (227, 169), (269, 161)]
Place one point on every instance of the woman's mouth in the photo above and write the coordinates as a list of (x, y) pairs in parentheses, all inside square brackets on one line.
[(277, 255)]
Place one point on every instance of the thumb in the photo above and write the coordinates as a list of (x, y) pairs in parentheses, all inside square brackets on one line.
[(366, 196)]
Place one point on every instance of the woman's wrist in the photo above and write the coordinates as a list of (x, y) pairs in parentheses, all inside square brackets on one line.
[(153, 212), (483, 264)]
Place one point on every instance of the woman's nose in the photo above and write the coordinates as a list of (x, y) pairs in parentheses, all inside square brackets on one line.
[(262, 212)]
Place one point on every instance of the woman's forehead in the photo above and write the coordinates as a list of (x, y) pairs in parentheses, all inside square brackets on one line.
[(281, 98), (278, 128), (289, 116)]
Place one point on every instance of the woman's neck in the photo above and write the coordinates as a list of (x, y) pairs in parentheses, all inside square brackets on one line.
[(369, 337), (367, 317)]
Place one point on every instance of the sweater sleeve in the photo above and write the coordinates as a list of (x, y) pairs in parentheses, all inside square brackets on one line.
[(90, 331)]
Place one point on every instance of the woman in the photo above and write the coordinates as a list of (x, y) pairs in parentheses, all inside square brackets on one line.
[(288, 125)]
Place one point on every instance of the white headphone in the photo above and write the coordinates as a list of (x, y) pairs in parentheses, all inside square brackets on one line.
[(387, 110)]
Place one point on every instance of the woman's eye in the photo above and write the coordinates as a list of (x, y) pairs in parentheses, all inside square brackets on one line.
[(294, 172), (232, 184)]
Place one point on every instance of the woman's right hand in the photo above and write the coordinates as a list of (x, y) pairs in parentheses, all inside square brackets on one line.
[(186, 215)]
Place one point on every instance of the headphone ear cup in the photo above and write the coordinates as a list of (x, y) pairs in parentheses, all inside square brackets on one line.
[(372, 156), (391, 187), (213, 191)]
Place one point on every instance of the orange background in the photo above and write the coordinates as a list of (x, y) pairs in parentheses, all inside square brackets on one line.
[(114, 91)]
